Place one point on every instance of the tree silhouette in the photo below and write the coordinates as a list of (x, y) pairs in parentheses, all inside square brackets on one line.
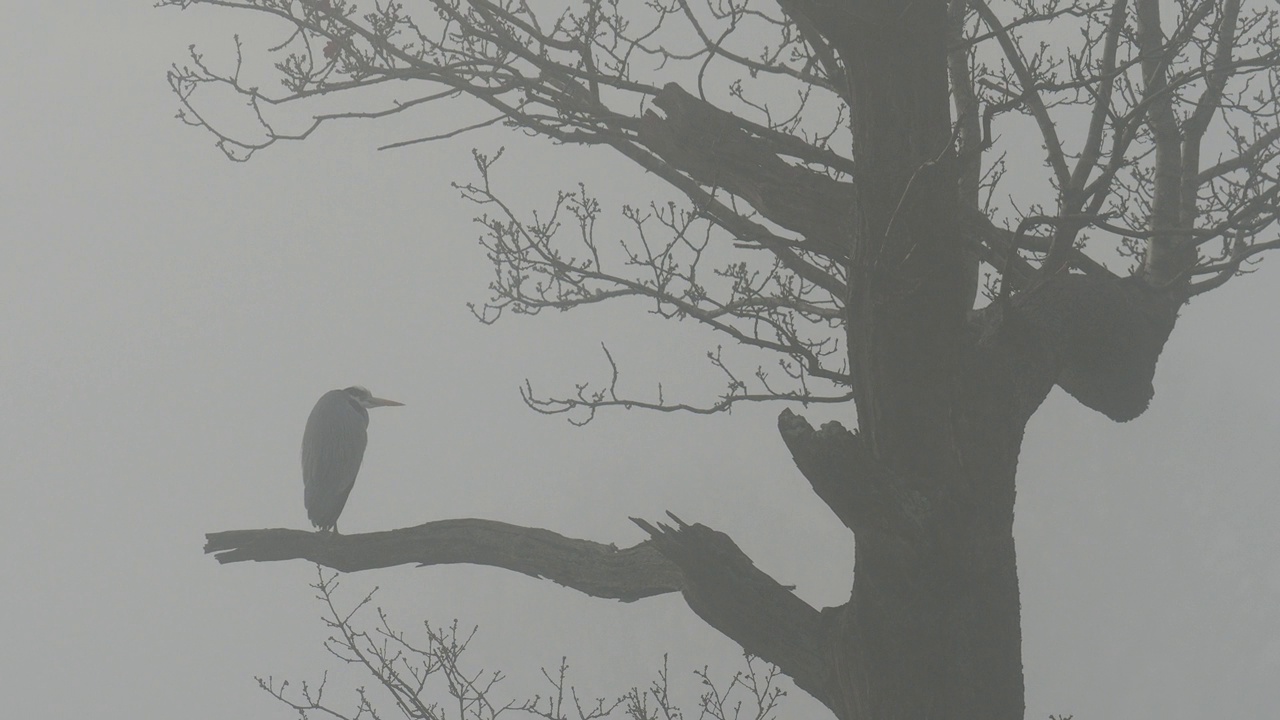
[(842, 171)]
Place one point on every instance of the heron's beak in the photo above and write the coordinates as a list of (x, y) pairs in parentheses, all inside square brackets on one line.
[(383, 402)]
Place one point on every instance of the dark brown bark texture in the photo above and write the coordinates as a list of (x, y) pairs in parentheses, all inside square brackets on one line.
[(926, 485)]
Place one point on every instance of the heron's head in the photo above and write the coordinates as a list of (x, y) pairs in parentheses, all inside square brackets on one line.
[(366, 398)]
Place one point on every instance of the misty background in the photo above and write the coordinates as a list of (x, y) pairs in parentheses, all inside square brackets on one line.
[(168, 318)]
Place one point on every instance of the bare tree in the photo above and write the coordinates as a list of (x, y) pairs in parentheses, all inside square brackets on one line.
[(842, 173)]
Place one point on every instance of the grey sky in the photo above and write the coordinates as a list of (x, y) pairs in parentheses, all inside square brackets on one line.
[(167, 319)]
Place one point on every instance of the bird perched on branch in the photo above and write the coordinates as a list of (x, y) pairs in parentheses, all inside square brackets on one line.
[(332, 448)]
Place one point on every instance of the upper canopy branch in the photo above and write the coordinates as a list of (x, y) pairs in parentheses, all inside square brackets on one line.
[(744, 109), (1151, 93), (555, 260), (710, 145), (573, 80)]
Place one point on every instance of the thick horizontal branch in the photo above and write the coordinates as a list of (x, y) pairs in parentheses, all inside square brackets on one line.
[(597, 569), (718, 580)]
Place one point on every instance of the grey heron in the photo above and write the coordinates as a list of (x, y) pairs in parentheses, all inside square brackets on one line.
[(332, 448)]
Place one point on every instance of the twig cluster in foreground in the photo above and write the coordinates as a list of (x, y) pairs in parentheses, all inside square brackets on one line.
[(425, 678)]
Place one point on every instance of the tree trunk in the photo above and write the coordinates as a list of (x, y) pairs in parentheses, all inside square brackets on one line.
[(932, 628)]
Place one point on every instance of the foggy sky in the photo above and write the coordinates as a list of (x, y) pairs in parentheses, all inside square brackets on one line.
[(168, 318)]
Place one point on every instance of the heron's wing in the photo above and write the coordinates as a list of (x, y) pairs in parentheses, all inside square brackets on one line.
[(332, 448)]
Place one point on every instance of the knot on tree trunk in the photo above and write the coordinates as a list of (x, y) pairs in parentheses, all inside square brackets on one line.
[(1105, 336), (841, 471)]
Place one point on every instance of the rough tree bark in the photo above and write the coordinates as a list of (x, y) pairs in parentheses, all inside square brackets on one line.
[(943, 393)]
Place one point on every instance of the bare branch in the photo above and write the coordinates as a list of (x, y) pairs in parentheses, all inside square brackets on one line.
[(771, 179), (1029, 93), (592, 568)]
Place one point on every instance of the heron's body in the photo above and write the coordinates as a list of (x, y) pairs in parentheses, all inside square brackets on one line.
[(332, 448)]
